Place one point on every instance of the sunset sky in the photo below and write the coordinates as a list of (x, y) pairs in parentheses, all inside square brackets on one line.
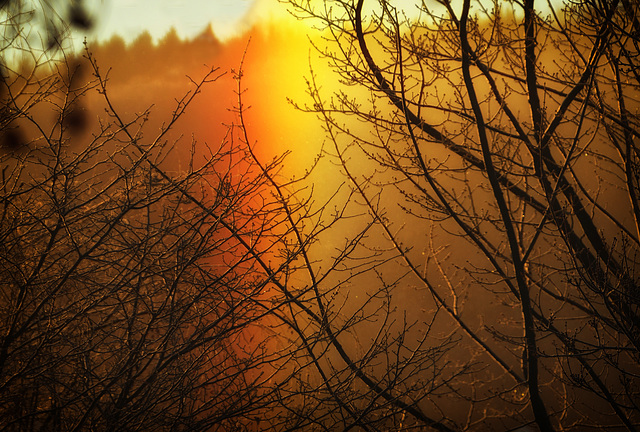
[(129, 18), (228, 18), (278, 58)]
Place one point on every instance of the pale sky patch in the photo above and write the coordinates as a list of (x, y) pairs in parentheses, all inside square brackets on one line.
[(130, 18)]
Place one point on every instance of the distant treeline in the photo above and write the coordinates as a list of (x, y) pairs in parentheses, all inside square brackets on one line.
[(143, 55)]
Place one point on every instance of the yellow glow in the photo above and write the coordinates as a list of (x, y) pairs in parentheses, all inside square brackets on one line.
[(277, 62)]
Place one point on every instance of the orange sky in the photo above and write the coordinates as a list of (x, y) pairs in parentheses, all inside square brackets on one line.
[(277, 60)]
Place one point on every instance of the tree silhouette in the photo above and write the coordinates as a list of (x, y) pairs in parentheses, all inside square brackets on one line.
[(132, 293), (492, 152), (474, 268)]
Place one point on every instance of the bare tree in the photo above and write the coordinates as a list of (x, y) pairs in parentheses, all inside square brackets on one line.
[(475, 267), (133, 290), (139, 293), (491, 152)]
